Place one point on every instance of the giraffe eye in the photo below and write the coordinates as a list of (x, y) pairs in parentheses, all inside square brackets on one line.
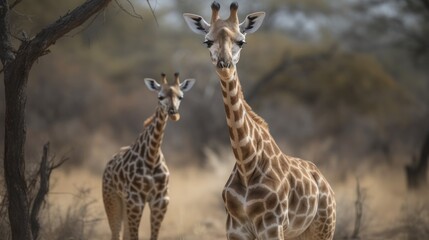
[(240, 43), (161, 98), (208, 43), (180, 97)]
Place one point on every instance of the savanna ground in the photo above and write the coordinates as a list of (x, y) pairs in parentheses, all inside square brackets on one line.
[(196, 208)]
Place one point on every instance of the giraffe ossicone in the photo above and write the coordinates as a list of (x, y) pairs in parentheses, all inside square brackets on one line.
[(138, 174), (268, 195)]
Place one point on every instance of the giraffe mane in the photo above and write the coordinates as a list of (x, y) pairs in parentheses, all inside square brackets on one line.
[(259, 120), (148, 121)]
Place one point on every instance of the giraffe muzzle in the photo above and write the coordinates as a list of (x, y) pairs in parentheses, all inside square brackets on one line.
[(224, 64), (173, 114)]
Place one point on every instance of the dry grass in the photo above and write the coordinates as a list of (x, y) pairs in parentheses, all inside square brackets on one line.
[(389, 210), (76, 221), (413, 222), (196, 209), (195, 212)]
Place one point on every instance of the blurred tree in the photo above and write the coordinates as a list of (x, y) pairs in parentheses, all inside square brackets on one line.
[(403, 25), (17, 64), (331, 80), (392, 23), (416, 172)]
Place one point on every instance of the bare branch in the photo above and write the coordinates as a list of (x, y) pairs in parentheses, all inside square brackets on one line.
[(134, 10), (6, 50), (24, 15), (59, 163), (134, 14), (44, 174), (88, 25), (358, 211), (283, 65), (63, 25), (15, 3), (153, 12), (45, 170)]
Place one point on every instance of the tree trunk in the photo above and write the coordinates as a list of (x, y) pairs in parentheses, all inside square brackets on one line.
[(15, 81), (416, 172), (17, 65)]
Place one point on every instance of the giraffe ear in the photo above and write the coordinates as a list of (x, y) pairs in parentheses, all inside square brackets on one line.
[(252, 22), (152, 85), (187, 85), (196, 23)]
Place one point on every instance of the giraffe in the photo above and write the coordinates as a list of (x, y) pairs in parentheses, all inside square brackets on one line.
[(138, 174), (268, 195)]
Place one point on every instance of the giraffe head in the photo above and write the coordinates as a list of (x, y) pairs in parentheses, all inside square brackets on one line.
[(170, 95), (224, 38)]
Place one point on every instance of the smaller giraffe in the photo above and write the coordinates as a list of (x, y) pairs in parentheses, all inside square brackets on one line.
[(138, 174)]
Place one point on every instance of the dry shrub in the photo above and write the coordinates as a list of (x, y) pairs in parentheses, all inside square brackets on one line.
[(353, 219), (412, 224), (76, 223)]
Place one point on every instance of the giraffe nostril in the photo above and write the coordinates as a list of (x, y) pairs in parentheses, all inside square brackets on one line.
[(221, 64), (172, 111), (224, 64)]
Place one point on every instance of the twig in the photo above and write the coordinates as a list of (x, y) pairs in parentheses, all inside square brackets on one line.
[(134, 10), (152, 11), (44, 174), (45, 170), (133, 14), (14, 4), (6, 49), (27, 16), (88, 25), (358, 209), (59, 163)]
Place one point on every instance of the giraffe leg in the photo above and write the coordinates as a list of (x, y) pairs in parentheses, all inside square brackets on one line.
[(126, 232), (113, 207), (158, 208), (134, 213)]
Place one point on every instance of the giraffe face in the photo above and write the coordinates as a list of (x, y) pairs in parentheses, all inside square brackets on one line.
[(224, 38), (224, 43), (170, 96)]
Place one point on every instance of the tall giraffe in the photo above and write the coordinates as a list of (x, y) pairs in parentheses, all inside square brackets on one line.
[(268, 195), (138, 174)]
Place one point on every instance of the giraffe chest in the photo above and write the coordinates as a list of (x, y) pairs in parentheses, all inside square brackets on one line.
[(253, 206), (271, 203), (132, 180)]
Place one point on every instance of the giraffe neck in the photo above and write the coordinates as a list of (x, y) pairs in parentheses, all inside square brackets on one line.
[(148, 144), (247, 131)]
